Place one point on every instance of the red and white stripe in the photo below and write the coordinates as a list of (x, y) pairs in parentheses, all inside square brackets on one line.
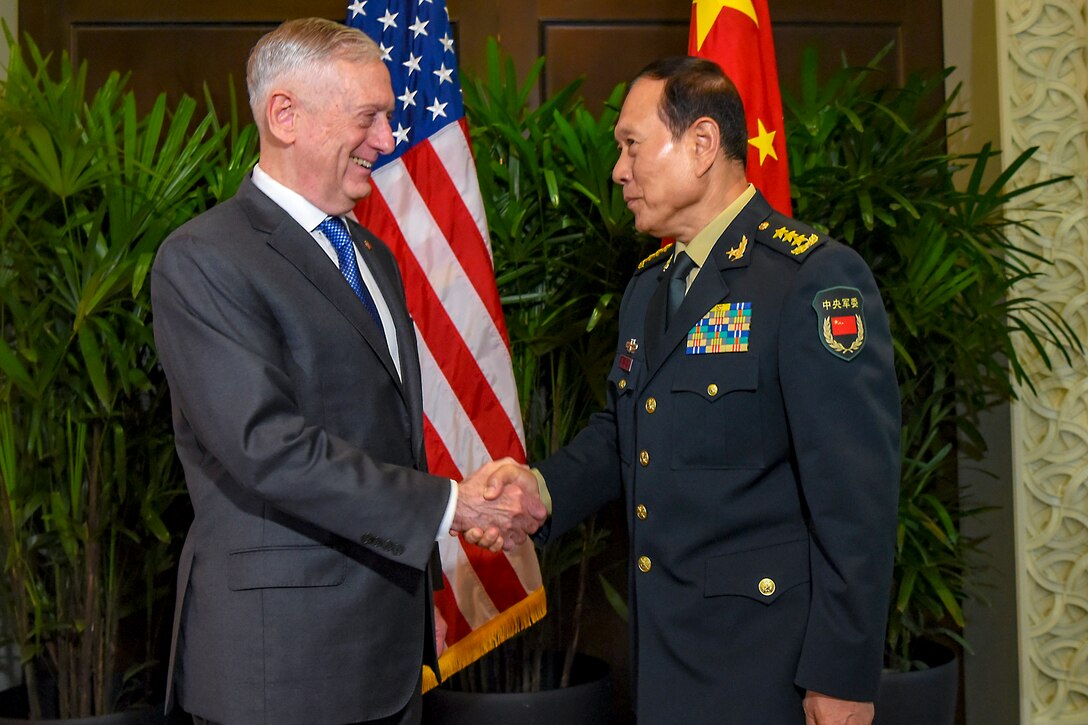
[(427, 207)]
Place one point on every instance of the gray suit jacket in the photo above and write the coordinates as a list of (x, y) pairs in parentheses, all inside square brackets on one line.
[(302, 587)]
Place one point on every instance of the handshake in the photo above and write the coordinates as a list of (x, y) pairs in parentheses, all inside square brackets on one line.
[(499, 506)]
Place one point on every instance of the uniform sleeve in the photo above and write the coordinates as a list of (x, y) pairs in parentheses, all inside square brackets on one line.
[(842, 408), (586, 473), (583, 476), (231, 381)]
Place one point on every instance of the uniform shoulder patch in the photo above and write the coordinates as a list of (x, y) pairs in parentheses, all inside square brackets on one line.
[(657, 257), (789, 236), (840, 316)]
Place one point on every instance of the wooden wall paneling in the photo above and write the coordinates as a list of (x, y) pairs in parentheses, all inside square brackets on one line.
[(172, 48), (473, 22), (604, 54), (175, 59)]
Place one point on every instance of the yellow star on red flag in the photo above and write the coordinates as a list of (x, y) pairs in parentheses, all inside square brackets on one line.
[(736, 34), (764, 141), (706, 13)]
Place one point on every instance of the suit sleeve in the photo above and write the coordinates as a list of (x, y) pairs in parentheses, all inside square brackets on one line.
[(232, 380), (844, 421)]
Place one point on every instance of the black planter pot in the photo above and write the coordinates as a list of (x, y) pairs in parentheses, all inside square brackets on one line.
[(588, 700), (921, 696)]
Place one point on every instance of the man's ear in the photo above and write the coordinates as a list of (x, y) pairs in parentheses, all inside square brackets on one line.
[(281, 113), (706, 140)]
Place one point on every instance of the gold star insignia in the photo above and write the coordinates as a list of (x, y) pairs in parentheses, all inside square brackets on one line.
[(706, 14), (737, 252), (764, 141)]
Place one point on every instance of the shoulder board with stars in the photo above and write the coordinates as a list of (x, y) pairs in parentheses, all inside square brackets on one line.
[(789, 236), (657, 257)]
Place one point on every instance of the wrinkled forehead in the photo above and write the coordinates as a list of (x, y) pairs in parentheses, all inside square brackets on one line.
[(350, 84)]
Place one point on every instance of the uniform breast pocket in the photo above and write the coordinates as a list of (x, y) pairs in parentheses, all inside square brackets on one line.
[(716, 404)]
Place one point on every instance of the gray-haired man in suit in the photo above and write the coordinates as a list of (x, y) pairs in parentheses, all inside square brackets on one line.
[(303, 588)]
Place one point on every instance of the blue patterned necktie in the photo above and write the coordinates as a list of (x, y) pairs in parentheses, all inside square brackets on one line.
[(334, 230)]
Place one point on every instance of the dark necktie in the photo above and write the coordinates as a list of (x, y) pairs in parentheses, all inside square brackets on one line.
[(334, 230), (681, 267)]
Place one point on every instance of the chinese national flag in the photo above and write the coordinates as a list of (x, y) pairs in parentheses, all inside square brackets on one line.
[(846, 325), (736, 34)]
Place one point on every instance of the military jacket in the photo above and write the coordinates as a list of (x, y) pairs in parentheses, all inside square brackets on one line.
[(755, 441)]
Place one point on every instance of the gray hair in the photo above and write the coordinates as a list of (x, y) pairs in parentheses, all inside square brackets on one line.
[(302, 47)]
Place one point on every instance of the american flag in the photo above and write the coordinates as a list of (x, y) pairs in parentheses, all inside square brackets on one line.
[(426, 205)]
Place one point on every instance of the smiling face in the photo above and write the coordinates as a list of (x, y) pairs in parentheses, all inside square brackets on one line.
[(339, 127), (660, 174)]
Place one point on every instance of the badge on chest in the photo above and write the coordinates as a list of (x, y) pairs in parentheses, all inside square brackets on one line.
[(723, 329)]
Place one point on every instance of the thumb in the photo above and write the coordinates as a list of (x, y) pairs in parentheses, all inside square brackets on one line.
[(494, 486)]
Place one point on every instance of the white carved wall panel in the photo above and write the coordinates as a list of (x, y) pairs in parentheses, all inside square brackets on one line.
[(1044, 79)]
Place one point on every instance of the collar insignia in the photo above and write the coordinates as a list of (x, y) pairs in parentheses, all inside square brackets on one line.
[(738, 251)]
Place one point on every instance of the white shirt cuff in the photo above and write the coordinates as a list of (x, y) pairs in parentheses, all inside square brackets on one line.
[(451, 508)]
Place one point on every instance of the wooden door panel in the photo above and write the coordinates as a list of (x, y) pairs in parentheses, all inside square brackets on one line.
[(176, 47), (604, 63), (176, 59)]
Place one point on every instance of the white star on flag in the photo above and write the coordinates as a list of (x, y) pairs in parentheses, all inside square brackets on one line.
[(401, 134), (389, 20), (385, 51), (408, 99), (412, 64), (447, 42), (444, 74), (419, 27), (358, 8), (437, 109)]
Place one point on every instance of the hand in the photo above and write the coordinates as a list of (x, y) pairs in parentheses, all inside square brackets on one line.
[(823, 709), (499, 505), (440, 630), (506, 472)]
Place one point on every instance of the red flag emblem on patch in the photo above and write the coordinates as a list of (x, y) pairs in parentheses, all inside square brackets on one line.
[(845, 325)]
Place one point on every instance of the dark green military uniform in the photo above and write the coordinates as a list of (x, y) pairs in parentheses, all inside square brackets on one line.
[(756, 442)]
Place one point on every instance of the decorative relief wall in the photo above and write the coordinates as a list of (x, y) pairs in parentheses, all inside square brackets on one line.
[(1044, 78)]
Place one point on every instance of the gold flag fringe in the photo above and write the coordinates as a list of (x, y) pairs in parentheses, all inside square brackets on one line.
[(487, 637)]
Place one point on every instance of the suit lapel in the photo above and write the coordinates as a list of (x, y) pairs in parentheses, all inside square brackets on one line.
[(385, 271), (297, 246)]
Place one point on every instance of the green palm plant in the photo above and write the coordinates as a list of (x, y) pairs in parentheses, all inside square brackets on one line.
[(869, 165), (564, 246), (89, 187)]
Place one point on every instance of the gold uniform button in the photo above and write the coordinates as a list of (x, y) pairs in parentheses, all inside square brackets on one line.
[(644, 458), (623, 383), (641, 512), (644, 563), (651, 405), (712, 390), (764, 226), (766, 587)]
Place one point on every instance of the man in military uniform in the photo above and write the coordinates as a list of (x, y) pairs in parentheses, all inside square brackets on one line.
[(753, 427)]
